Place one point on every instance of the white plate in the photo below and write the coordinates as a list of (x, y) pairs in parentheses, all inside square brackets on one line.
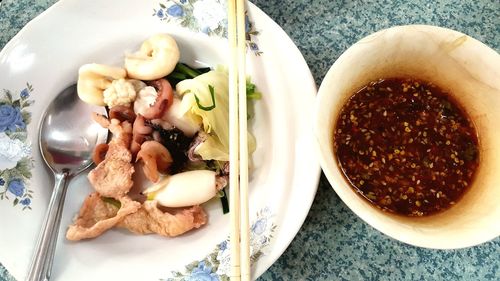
[(47, 53)]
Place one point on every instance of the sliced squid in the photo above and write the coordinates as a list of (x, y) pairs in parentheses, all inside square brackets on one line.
[(94, 78), (154, 100), (186, 188), (122, 113), (140, 133), (155, 158), (155, 59), (184, 121)]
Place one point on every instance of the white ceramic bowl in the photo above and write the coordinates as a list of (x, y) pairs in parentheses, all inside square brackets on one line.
[(457, 63)]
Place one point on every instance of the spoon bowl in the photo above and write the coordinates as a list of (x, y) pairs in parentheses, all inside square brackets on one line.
[(68, 135), (67, 138)]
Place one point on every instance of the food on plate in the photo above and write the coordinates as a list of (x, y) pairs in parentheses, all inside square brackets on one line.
[(151, 219), (94, 78), (198, 101), (113, 176), (155, 158), (169, 148), (96, 216), (122, 92), (186, 188), (406, 146), (156, 58)]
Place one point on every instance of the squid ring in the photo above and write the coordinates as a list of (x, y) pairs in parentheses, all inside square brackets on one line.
[(94, 78), (155, 59)]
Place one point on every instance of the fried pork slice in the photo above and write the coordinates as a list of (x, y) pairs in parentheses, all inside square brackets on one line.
[(97, 216), (150, 219), (113, 176)]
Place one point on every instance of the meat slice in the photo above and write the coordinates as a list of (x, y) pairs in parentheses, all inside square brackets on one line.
[(96, 216), (113, 176), (150, 219)]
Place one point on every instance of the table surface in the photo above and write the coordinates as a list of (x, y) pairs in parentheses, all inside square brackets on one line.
[(333, 243)]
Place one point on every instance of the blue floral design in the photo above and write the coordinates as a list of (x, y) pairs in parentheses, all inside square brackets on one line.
[(160, 13), (16, 187), (216, 266), (175, 11), (17, 161), (203, 273), (206, 30), (259, 226), (223, 245), (25, 93), (264, 239), (253, 47), (187, 14), (10, 118), (25, 202)]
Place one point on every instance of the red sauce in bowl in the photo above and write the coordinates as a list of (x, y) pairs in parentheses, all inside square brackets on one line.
[(406, 146)]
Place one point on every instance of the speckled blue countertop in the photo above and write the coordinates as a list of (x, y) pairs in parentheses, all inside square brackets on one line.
[(333, 243)]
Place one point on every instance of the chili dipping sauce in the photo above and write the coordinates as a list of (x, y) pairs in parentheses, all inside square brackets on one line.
[(406, 146)]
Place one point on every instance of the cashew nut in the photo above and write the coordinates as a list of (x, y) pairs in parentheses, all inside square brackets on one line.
[(156, 58), (94, 78)]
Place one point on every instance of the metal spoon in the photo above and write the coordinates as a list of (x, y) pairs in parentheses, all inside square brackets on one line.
[(67, 138)]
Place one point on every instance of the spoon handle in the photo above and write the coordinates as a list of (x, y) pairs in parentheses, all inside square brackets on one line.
[(41, 264)]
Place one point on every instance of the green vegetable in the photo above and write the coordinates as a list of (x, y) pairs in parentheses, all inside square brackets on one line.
[(225, 204), (112, 201), (212, 94), (178, 76), (188, 71), (210, 88), (252, 93), (202, 70), (183, 71)]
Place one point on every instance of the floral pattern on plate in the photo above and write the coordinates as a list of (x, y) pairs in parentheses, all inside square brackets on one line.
[(206, 16), (216, 265), (16, 161)]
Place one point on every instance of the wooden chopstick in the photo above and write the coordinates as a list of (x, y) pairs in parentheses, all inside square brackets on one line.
[(234, 190), (243, 164), (238, 144)]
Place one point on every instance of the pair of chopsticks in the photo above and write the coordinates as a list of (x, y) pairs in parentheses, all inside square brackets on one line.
[(238, 145)]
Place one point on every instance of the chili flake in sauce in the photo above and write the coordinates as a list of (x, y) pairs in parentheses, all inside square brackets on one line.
[(406, 146)]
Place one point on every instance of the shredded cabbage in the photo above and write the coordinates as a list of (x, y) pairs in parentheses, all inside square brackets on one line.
[(196, 98)]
